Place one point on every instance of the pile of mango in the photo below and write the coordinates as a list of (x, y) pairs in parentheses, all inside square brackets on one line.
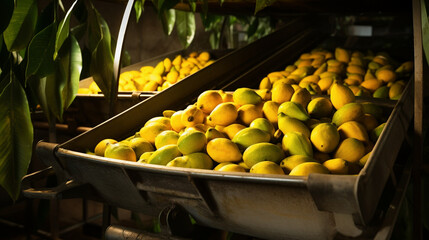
[(278, 131), (369, 75), (163, 75)]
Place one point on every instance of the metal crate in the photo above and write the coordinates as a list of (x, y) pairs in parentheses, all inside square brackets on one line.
[(267, 206)]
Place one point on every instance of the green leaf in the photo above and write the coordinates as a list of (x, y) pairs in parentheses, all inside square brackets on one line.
[(192, 5), (63, 30), (138, 7), (38, 88), (79, 31), (55, 83), (40, 52), (261, 4), (253, 27), (185, 23), (70, 60), (6, 10), (21, 27), (17, 137), (101, 66), (168, 18)]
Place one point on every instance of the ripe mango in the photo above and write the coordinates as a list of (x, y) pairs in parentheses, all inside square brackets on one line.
[(341, 95), (292, 161), (353, 129), (320, 107), (262, 152), (301, 96), (224, 114), (249, 112), (294, 110), (120, 151), (266, 167), (208, 100), (249, 136), (351, 150), (140, 146), (349, 112), (231, 167), (289, 124), (194, 160), (325, 137), (191, 141), (307, 168), (296, 143), (164, 155), (223, 150), (244, 96), (263, 124), (270, 110), (100, 148), (281, 93), (337, 166)]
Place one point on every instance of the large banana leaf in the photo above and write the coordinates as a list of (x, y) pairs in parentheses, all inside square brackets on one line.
[(17, 136), (21, 27)]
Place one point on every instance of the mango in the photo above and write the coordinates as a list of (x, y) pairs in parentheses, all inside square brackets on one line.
[(342, 55), (244, 96), (301, 96), (376, 132), (223, 150), (192, 115), (351, 150), (262, 152), (164, 155), (224, 114), (325, 137), (320, 107), (282, 93), (349, 112), (381, 92), (296, 143), (307, 168), (353, 129), (213, 133), (294, 110), (233, 129), (208, 100), (270, 110), (264, 125), (249, 136), (266, 167), (149, 132), (100, 148), (231, 167), (396, 90), (141, 145), (190, 142), (289, 124), (341, 95), (120, 151), (337, 166), (291, 162), (197, 160), (249, 112), (145, 157)]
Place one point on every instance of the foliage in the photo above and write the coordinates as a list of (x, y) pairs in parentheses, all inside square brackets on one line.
[(42, 56), (40, 67)]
